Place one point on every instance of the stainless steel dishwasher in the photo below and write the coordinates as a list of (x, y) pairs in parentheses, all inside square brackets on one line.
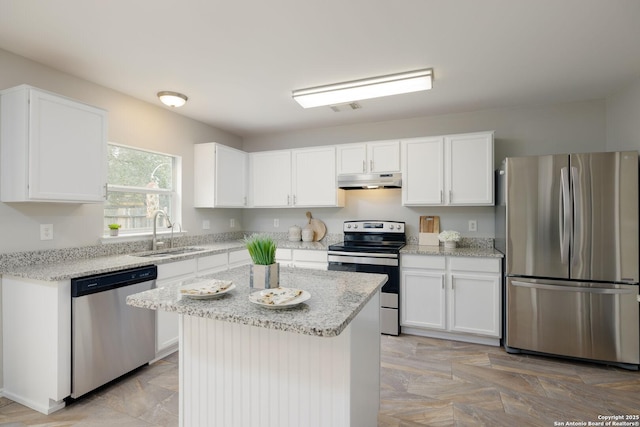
[(108, 337)]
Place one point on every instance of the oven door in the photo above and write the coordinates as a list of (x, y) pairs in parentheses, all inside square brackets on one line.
[(393, 284), (389, 295)]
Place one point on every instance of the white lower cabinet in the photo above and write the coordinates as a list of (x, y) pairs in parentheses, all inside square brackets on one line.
[(302, 258), (239, 257), (451, 297), (166, 322)]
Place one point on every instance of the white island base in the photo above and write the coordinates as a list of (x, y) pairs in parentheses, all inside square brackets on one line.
[(233, 374)]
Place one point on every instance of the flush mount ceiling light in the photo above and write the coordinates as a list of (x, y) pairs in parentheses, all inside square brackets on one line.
[(356, 90), (172, 99)]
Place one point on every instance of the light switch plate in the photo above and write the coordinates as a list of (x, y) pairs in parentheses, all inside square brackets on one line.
[(473, 225)]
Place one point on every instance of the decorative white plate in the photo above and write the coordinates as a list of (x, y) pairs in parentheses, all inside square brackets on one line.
[(207, 289), (263, 297)]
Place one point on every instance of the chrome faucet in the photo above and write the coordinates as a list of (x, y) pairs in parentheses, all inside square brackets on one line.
[(155, 243)]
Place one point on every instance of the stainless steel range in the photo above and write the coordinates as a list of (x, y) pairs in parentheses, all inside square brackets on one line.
[(374, 247)]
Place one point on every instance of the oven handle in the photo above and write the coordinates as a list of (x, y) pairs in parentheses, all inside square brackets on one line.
[(362, 254), (363, 260)]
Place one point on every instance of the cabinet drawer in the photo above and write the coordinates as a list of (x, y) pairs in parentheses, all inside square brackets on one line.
[(178, 268), (283, 254), (485, 265), (240, 257), (423, 261), (311, 256), (218, 261)]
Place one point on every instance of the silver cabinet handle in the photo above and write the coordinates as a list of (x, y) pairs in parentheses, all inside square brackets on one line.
[(288, 200), (364, 166), (441, 192), (294, 200), (450, 196), (370, 165), (106, 191)]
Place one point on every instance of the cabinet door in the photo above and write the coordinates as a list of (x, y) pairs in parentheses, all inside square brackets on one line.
[(423, 171), (167, 324), (231, 177), (422, 299), (352, 158), (271, 178), (475, 304), (61, 132), (383, 157), (469, 166), (314, 177), (53, 148)]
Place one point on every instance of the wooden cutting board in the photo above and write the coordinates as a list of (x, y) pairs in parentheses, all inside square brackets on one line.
[(319, 228), (430, 224)]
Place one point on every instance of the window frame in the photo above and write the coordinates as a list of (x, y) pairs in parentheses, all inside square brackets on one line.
[(175, 193)]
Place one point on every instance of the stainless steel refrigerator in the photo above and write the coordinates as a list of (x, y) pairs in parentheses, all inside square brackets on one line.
[(568, 226)]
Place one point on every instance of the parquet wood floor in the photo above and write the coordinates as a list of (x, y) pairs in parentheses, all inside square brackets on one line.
[(424, 382)]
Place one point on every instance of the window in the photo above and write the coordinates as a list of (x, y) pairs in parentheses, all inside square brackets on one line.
[(140, 183)]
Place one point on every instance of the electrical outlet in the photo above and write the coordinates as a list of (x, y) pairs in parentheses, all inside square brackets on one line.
[(232, 222), (46, 231), (206, 224), (276, 223), (473, 225)]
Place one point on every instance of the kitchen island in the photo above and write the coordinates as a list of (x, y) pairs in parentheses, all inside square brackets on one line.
[(315, 364)]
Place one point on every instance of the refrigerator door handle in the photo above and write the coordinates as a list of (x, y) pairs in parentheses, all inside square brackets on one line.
[(565, 215), (578, 216)]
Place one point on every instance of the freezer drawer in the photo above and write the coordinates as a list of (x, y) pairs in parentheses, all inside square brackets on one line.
[(597, 321)]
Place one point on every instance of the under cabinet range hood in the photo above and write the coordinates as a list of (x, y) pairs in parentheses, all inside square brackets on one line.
[(370, 181)]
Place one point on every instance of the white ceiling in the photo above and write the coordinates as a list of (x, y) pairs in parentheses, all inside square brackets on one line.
[(239, 60)]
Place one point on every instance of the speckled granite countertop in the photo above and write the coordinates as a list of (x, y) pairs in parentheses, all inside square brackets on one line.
[(336, 298), (66, 268), (458, 252)]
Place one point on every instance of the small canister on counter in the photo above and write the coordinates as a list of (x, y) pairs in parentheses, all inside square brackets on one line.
[(307, 234), (295, 233)]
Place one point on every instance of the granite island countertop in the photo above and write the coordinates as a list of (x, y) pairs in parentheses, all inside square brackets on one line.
[(336, 298)]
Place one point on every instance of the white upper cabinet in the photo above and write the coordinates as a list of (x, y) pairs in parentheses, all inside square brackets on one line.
[(52, 148), (271, 178), (314, 178), (423, 171), (372, 157), (295, 178), (469, 169), (220, 176), (448, 170)]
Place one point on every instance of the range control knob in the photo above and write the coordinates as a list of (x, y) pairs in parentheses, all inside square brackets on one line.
[(348, 225), (391, 226), (355, 226)]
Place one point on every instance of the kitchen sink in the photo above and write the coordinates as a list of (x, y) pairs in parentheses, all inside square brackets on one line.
[(169, 252)]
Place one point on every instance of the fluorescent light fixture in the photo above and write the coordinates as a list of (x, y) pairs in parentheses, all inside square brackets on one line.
[(356, 90), (172, 99)]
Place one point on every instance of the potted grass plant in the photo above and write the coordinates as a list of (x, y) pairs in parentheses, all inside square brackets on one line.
[(113, 229), (265, 271)]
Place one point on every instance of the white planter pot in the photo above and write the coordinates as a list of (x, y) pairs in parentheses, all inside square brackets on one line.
[(113, 231), (450, 245), (264, 276)]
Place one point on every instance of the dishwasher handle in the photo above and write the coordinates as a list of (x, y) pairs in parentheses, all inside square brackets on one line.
[(104, 282)]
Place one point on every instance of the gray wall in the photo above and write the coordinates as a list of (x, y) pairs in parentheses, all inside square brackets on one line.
[(572, 127), (131, 122), (623, 119)]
